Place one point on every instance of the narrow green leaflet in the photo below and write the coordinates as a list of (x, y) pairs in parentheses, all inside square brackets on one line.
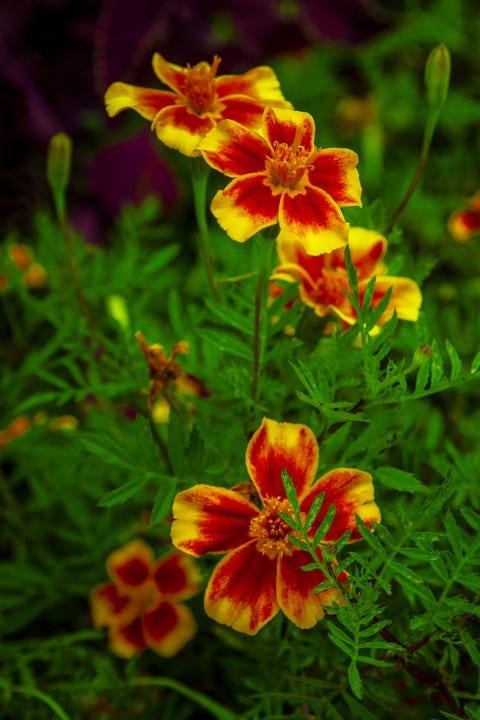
[(399, 480)]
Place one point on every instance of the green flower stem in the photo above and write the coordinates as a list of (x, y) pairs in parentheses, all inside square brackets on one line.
[(427, 140), (200, 173), (266, 245)]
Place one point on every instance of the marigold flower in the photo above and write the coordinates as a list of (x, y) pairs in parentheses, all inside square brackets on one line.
[(464, 223), (261, 572), (322, 278), (281, 177), (141, 606), (197, 101)]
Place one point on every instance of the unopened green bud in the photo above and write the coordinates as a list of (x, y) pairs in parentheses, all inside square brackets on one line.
[(437, 77), (59, 157)]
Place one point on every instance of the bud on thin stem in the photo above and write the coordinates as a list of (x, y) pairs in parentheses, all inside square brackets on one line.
[(437, 77), (59, 157)]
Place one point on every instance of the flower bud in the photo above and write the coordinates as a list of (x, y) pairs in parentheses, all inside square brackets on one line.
[(437, 77), (59, 156)]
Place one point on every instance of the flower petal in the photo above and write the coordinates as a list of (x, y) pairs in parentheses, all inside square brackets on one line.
[(259, 82), (295, 590), (313, 219), (180, 129), (234, 150), (406, 298), (177, 576), (291, 127), (108, 607), (352, 492), (148, 103), (334, 170), (210, 519), (170, 74), (131, 566), (367, 248), (168, 627), (245, 110), (126, 640), (245, 207), (281, 446), (462, 224), (241, 591)]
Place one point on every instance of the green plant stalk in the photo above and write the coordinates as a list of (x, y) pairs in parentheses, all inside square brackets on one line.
[(260, 297), (200, 173), (427, 140), (39, 695)]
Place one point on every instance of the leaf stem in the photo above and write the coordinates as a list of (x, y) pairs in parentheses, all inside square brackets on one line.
[(200, 173), (260, 297)]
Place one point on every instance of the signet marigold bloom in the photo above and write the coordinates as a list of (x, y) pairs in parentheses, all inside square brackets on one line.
[(261, 572), (322, 278), (464, 223), (197, 101), (167, 376), (142, 605), (279, 176)]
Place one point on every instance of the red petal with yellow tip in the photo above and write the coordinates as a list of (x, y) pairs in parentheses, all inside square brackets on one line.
[(281, 446), (334, 170), (241, 591), (180, 129), (367, 249), (127, 640), (314, 220), (168, 627), (169, 73), (210, 519), (352, 492), (108, 607), (177, 576), (291, 127), (405, 300), (260, 82), (295, 590), (146, 102), (245, 207), (130, 567), (234, 150)]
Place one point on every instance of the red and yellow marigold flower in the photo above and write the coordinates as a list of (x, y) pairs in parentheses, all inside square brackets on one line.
[(142, 605), (197, 101), (321, 279), (261, 571), (167, 377), (279, 176), (464, 223)]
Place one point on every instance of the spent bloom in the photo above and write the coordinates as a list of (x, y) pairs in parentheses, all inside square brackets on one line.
[(197, 101), (464, 223), (279, 176), (167, 377), (142, 605), (261, 572), (322, 279)]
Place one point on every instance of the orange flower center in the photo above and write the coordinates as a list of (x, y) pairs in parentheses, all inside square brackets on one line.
[(287, 166), (200, 88), (270, 530), (328, 289)]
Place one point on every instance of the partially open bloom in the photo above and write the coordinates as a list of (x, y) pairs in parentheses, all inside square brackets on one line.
[(281, 177), (464, 223), (142, 605), (198, 99), (261, 572), (322, 278), (167, 377)]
